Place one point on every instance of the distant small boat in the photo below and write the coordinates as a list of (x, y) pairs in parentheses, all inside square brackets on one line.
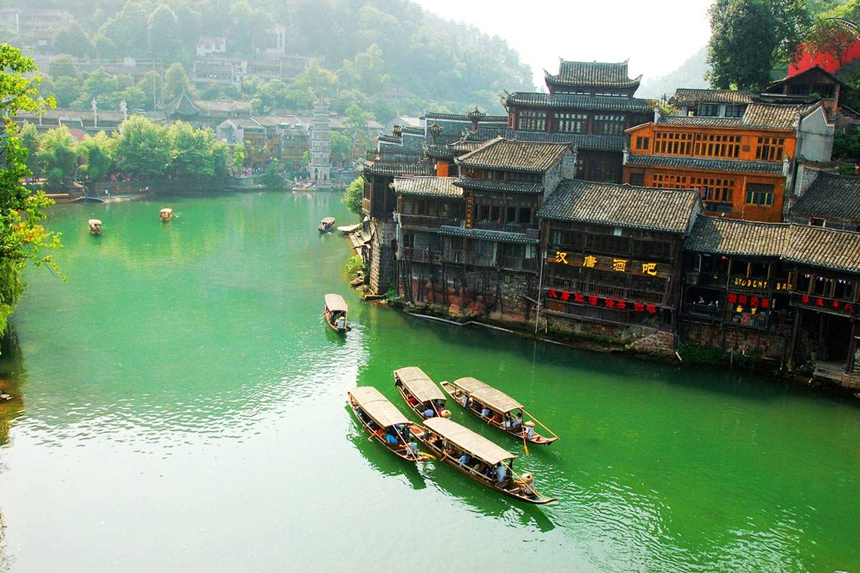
[(336, 312), (326, 225), (166, 214), (95, 226)]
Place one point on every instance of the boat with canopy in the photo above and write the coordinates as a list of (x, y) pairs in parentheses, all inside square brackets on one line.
[(326, 225), (478, 458), (497, 409), (336, 312), (95, 226), (419, 391), (166, 214), (385, 423)]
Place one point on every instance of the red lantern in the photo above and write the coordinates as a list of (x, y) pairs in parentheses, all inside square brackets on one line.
[(592, 300), (742, 299), (638, 307), (819, 302), (835, 304), (551, 293), (565, 295), (754, 301), (578, 298), (849, 308), (733, 298), (621, 305), (610, 303), (765, 303), (805, 299), (652, 309)]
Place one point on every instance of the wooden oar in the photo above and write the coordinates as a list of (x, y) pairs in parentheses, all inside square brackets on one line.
[(525, 446)]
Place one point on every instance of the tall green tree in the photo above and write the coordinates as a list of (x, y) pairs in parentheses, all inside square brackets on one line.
[(164, 32), (142, 147), (97, 154), (57, 156), (22, 236), (176, 81), (751, 37), (66, 90), (74, 40), (352, 195), (191, 150), (29, 138), (62, 65)]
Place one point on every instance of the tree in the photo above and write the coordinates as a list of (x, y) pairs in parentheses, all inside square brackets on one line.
[(164, 32), (57, 156), (238, 157), (750, 37), (271, 177), (128, 30), (73, 40), (97, 154), (104, 47), (22, 236), (29, 138), (191, 150), (176, 81), (353, 194), (66, 90), (142, 147), (341, 147), (62, 65)]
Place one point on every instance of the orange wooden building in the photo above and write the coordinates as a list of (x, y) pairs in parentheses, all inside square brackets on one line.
[(743, 167)]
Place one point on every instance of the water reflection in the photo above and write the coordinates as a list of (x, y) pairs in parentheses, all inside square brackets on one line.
[(381, 460), (12, 376)]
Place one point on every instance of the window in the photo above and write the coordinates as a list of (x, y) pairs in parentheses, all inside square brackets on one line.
[(708, 109), (770, 148), (609, 124), (713, 145), (716, 193), (737, 110), (669, 181), (524, 177), (673, 143), (571, 122), (759, 194), (528, 120), (642, 142), (637, 179), (525, 215)]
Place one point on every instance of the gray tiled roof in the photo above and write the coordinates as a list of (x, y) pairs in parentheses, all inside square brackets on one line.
[(616, 205), (827, 248), (690, 97), (500, 186), (412, 130), (702, 164), (389, 139), (701, 120), (737, 237), (427, 187), (464, 118), (394, 168), (575, 101), (488, 235), (830, 196), (580, 141), (599, 74), (452, 149), (514, 155)]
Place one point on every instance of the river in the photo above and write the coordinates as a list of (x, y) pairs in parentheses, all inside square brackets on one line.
[(183, 409)]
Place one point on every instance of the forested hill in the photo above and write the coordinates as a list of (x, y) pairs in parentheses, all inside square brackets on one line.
[(372, 46)]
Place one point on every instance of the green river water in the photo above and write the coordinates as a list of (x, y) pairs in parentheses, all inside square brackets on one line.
[(183, 409)]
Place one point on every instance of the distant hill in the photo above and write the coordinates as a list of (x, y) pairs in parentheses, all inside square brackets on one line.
[(691, 74)]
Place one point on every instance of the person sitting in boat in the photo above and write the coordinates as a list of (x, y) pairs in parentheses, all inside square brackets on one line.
[(501, 474), (341, 322), (391, 437), (428, 413), (445, 414), (464, 459), (517, 422), (530, 429), (413, 448), (527, 486), (410, 399), (485, 412)]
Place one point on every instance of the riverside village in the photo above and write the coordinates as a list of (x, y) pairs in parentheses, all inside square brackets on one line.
[(280, 282)]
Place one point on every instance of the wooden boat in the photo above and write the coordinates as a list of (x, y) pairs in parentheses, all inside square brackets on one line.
[(505, 413), (385, 423), (419, 391), (326, 225), (485, 460), (166, 214), (336, 312), (95, 226)]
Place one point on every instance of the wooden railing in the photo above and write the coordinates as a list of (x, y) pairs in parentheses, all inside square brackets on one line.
[(426, 221), (421, 255), (518, 263), (464, 257), (608, 291)]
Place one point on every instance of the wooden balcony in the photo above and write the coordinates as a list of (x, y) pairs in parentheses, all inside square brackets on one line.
[(426, 221), (467, 258), (823, 304), (518, 263), (420, 255), (609, 291)]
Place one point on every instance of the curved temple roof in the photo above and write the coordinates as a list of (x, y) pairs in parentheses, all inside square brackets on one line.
[(378, 406), (478, 446)]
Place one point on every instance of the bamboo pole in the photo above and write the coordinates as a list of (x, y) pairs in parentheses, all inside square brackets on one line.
[(544, 426)]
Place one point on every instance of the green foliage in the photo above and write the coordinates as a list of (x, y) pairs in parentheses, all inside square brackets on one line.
[(74, 40), (176, 81), (846, 146), (29, 138), (238, 157), (164, 32), (97, 155), (352, 195), (22, 236), (57, 156), (354, 264), (142, 147), (751, 37), (341, 147), (271, 177), (66, 90), (706, 355), (192, 151), (63, 65)]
